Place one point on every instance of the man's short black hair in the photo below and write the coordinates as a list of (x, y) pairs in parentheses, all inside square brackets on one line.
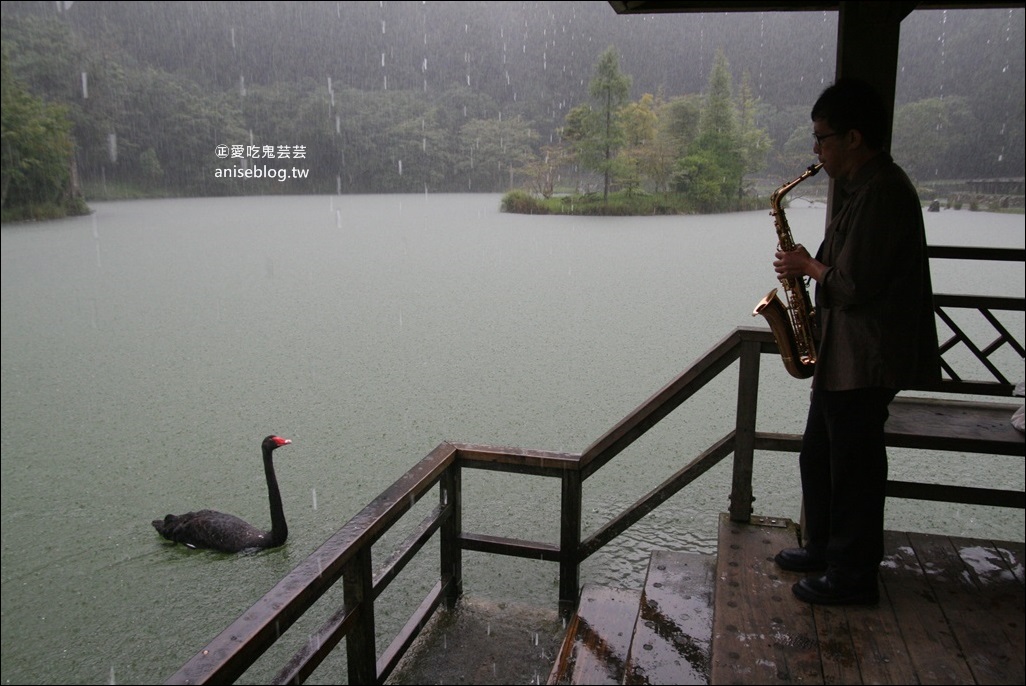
[(853, 104)]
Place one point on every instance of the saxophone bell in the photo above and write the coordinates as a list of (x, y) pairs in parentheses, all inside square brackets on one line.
[(797, 364)]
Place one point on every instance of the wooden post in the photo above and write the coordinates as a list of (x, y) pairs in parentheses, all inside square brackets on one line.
[(570, 542), (744, 437), (451, 497), (358, 595)]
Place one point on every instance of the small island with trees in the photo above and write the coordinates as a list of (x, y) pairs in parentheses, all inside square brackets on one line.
[(683, 155)]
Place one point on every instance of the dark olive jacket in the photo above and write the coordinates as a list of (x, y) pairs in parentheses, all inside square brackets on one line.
[(875, 300)]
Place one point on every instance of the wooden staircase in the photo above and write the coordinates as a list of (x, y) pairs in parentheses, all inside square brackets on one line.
[(660, 635)]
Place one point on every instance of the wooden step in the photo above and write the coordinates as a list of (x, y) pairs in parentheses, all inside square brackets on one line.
[(673, 637), (661, 635), (598, 639)]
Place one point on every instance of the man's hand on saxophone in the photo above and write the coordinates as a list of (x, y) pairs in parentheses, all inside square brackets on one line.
[(797, 263)]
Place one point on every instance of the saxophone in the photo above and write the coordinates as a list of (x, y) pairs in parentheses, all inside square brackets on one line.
[(793, 326)]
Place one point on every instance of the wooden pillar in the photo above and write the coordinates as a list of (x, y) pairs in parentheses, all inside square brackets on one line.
[(867, 44), (570, 542), (451, 497), (867, 48), (741, 497), (358, 595)]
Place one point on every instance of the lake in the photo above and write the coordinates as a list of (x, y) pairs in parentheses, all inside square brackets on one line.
[(149, 347)]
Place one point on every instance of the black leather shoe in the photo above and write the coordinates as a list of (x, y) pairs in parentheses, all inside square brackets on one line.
[(800, 560), (837, 588)]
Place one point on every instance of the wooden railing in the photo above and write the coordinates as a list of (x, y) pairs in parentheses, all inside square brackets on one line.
[(999, 384), (347, 555)]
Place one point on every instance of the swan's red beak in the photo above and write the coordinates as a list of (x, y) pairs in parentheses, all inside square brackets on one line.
[(281, 441)]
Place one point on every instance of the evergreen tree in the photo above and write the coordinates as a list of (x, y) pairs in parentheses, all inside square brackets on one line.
[(609, 88), (712, 171), (754, 142)]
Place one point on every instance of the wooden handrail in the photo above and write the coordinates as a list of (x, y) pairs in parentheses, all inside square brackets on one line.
[(660, 404), (965, 252), (232, 651)]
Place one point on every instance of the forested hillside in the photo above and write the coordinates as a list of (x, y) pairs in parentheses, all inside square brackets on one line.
[(464, 96)]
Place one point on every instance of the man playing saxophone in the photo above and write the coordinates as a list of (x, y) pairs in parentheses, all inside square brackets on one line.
[(877, 335)]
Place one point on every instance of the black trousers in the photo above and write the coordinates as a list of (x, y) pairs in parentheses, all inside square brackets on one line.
[(844, 473)]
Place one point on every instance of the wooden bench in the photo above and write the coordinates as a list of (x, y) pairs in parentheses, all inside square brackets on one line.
[(955, 425), (958, 425)]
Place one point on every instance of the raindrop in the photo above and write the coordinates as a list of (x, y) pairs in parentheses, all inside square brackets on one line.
[(313, 492), (400, 167), (85, 86)]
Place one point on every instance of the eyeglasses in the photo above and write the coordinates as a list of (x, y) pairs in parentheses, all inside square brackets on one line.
[(820, 137)]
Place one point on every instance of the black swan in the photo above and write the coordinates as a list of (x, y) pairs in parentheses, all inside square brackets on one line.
[(225, 532)]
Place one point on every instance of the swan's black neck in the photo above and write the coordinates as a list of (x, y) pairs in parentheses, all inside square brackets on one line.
[(279, 529)]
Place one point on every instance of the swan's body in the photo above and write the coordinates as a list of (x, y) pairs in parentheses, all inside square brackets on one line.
[(225, 532)]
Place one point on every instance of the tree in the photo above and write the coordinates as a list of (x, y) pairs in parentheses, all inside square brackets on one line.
[(609, 88), (35, 150), (543, 171), (714, 167), (928, 131), (755, 143), (677, 129), (192, 124), (494, 150), (641, 123)]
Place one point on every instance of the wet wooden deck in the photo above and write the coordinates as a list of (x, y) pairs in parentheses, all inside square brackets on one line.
[(951, 612)]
